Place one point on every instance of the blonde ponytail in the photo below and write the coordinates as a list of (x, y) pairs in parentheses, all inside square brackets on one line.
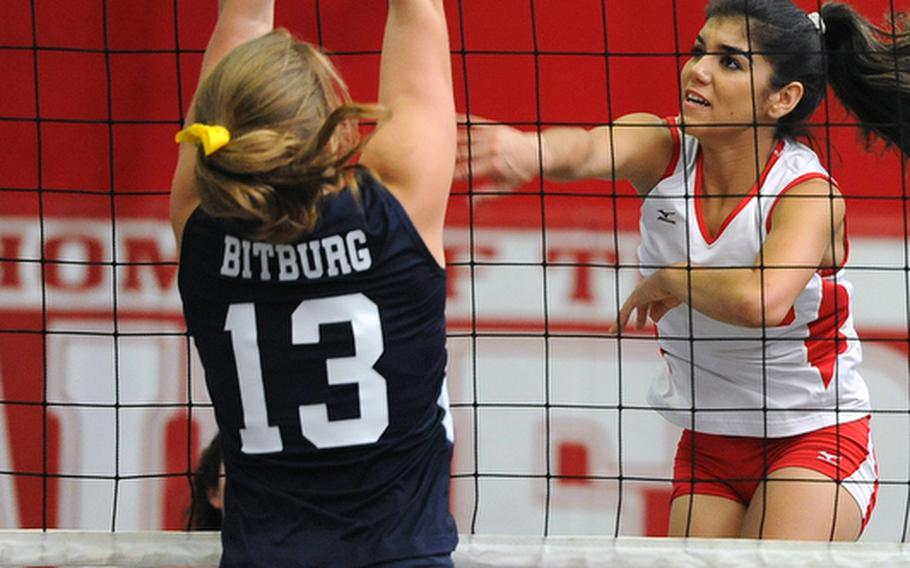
[(294, 133)]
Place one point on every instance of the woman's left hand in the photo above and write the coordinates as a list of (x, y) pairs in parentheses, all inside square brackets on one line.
[(650, 297)]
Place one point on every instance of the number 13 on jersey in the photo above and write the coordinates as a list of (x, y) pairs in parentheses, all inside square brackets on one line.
[(257, 436)]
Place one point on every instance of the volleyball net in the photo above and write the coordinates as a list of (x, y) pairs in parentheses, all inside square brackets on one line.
[(203, 549), (103, 409)]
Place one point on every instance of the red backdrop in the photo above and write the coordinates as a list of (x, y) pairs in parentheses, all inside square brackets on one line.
[(94, 92)]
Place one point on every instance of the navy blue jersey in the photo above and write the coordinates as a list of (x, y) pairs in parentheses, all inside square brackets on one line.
[(325, 360)]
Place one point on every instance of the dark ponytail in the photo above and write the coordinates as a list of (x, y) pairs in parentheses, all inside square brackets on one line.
[(869, 70)]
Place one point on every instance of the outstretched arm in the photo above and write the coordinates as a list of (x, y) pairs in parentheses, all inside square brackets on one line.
[(637, 147), (239, 21), (414, 150), (806, 233)]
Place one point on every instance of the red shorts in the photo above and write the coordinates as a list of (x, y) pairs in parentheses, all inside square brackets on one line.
[(733, 466)]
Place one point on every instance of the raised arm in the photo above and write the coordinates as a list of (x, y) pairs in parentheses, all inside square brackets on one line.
[(637, 147), (414, 150), (807, 232), (238, 22)]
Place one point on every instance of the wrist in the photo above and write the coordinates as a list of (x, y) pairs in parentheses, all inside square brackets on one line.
[(674, 278), (525, 156), (544, 153)]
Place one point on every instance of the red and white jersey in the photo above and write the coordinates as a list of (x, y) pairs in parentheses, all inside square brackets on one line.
[(724, 379)]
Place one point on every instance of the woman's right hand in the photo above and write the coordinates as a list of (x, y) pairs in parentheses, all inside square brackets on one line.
[(506, 157)]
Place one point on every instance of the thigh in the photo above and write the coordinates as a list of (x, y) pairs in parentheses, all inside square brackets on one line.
[(706, 516), (801, 504)]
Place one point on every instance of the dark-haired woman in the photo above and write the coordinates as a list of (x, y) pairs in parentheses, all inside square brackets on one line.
[(314, 290), (742, 253), (204, 513)]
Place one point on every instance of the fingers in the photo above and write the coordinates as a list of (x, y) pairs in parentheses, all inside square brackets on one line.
[(658, 310), (648, 299), (622, 318), (625, 314), (489, 155), (506, 155), (642, 319), (482, 166), (480, 140), (653, 310), (477, 152)]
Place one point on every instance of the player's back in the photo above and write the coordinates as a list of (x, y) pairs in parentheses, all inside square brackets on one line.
[(325, 360)]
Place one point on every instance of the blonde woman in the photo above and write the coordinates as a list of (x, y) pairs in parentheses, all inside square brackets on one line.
[(314, 290)]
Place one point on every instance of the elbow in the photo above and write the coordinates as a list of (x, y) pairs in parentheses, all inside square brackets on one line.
[(757, 312)]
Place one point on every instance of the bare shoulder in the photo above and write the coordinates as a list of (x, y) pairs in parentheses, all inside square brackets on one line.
[(817, 197), (815, 190), (654, 133), (644, 146), (817, 186)]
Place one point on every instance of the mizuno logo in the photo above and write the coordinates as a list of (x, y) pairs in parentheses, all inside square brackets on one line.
[(826, 457), (666, 215)]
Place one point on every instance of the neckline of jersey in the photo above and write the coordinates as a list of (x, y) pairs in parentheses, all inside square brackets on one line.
[(699, 193)]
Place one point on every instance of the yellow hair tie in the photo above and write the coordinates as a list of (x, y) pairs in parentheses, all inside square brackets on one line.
[(211, 137)]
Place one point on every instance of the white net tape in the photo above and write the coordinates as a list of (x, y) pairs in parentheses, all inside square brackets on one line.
[(173, 549)]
